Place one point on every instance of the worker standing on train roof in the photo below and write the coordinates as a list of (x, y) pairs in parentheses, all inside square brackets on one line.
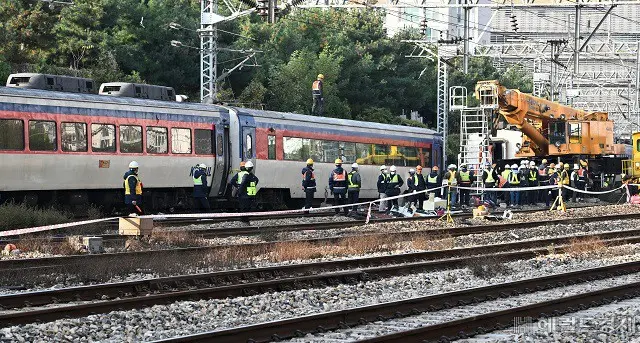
[(308, 183), (133, 189), (353, 187), (434, 180), (318, 98), (451, 178), (466, 179), (534, 181), (383, 179), (200, 200), (514, 182), (393, 188), (420, 187), (338, 186), (489, 180)]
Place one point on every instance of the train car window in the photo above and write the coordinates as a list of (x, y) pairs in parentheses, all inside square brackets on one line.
[(638, 145), (12, 137), (157, 140), (50, 81), (408, 156), (292, 148), (89, 85), (348, 152), (73, 136), (331, 151), (180, 141), (363, 154), (426, 153), (271, 141), (204, 142), (315, 151), (130, 139), (103, 138), (220, 145), (248, 147), (42, 136)]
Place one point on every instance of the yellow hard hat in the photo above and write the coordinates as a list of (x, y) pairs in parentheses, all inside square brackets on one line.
[(320, 76), (566, 166), (583, 163), (338, 161), (309, 161)]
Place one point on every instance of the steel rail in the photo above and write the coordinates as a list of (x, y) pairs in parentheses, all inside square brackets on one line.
[(44, 263), (300, 326), (237, 283)]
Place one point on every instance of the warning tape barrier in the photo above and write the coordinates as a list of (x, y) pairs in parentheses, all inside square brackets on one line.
[(269, 213)]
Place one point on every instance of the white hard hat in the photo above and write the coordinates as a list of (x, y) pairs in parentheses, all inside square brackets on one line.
[(533, 164), (202, 165), (524, 162), (412, 170), (514, 166), (393, 168), (249, 164), (575, 166), (451, 166), (507, 167), (355, 165), (383, 167), (133, 165)]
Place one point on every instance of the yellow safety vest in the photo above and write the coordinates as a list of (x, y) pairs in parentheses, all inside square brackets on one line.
[(251, 187), (351, 184), (415, 179), (464, 176), (564, 177), (394, 179), (198, 181), (432, 179), (505, 174), (452, 179), (490, 177), (532, 175), (127, 190), (515, 179)]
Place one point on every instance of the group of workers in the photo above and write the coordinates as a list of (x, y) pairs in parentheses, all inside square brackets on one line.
[(527, 174), (244, 185), (345, 186)]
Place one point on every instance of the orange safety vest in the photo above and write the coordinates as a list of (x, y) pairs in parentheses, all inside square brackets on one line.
[(340, 177), (316, 85)]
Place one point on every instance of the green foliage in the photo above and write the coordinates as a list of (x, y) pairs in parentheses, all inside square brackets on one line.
[(22, 216), (517, 77), (453, 148)]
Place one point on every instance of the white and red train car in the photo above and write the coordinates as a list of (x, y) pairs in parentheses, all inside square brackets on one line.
[(73, 149)]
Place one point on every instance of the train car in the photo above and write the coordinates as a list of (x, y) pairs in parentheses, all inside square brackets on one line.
[(73, 149), (137, 90), (280, 143), (51, 82)]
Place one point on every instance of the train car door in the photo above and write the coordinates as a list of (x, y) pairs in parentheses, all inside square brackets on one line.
[(248, 143), (222, 162)]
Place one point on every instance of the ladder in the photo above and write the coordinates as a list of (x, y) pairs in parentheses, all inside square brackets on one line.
[(474, 140)]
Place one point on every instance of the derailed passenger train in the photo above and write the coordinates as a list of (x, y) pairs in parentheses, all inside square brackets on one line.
[(73, 149)]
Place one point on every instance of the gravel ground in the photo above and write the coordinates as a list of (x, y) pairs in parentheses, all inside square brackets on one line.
[(189, 317), (401, 247), (617, 322), (387, 327)]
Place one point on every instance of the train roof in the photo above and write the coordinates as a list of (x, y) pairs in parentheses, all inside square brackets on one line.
[(96, 98), (332, 121)]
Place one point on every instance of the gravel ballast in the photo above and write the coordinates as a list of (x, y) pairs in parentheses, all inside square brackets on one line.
[(189, 317)]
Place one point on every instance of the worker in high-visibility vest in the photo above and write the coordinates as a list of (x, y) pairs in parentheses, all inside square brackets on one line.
[(393, 188), (466, 179), (246, 183), (318, 97), (338, 186), (200, 188), (451, 178), (420, 187), (534, 181), (490, 180), (308, 183), (133, 189), (514, 182), (353, 187), (565, 180), (434, 180), (543, 179)]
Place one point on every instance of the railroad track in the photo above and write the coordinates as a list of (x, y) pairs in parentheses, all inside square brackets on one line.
[(254, 230), (49, 264), (243, 282), (422, 312)]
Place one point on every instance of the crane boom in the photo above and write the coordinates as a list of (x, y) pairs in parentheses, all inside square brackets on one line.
[(550, 128)]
